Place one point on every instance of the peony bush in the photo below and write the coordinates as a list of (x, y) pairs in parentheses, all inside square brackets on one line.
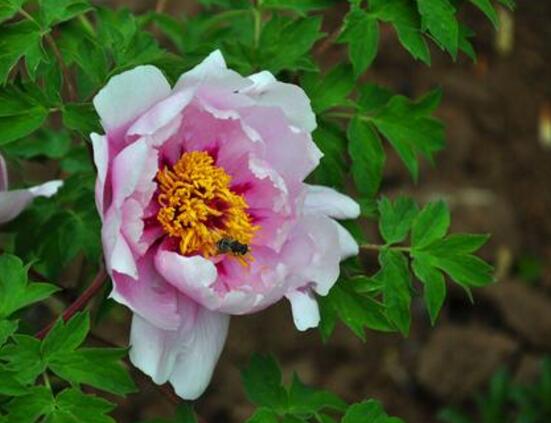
[(205, 160)]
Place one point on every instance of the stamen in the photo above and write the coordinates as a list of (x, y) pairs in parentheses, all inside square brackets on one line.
[(199, 208)]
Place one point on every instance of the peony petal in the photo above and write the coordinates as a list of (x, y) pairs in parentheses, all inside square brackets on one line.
[(13, 202), (129, 94), (3, 174), (128, 168), (212, 72), (101, 160), (326, 201), (349, 246), (304, 307), (186, 357), (192, 276), (291, 99), (118, 255)]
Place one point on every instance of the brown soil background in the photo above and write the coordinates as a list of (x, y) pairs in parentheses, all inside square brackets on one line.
[(496, 175)]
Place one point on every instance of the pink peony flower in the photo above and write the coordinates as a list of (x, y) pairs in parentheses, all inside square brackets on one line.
[(13, 202), (205, 212)]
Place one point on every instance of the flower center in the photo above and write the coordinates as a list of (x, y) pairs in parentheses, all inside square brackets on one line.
[(199, 208)]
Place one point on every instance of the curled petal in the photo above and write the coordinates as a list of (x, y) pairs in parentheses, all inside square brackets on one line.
[(129, 94), (185, 357), (304, 307), (13, 202), (328, 202)]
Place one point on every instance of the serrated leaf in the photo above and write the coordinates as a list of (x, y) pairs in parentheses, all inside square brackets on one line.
[(263, 415), (457, 244), (332, 142), (81, 118), (438, 16), (488, 9), (357, 311), (7, 329), (284, 43), (369, 411), (10, 385), (8, 8), (56, 11), (71, 405), (361, 33), (403, 15), (262, 382), (373, 97), (16, 41), (306, 400), (434, 287), (431, 224), (29, 408), (97, 367), (396, 218), (15, 291), (368, 157), (410, 130), (396, 279), (23, 357), (467, 270), (331, 89), (66, 337), (44, 142)]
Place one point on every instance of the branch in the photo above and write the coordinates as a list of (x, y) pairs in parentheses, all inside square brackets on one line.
[(80, 302)]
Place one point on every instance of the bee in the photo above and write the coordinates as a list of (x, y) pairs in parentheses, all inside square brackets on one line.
[(228, 245)]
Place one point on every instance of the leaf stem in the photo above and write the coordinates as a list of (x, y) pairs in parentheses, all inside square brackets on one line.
[(46, 381), (80, 302), (347, 115), (257, 16)]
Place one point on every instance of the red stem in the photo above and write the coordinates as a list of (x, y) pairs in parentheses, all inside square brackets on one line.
[(80, 302)]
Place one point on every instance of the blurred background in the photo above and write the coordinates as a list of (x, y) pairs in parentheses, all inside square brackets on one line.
[(496, 175)]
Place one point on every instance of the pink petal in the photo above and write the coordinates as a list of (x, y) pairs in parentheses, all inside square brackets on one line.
[(3, 174), (328, 202), (291, 99), (14, 202), (186, 356), (129, 94)]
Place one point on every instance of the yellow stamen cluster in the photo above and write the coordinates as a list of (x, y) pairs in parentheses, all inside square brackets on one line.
[(198, 207)]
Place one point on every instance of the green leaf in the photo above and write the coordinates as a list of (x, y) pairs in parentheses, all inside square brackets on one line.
[(370, 411), (307, 400), (438, 16), (488, 9), (368, 157), (66, 337), (44, 142), (81, 118), (285, 43), (332, 142), (458, 244), (15, 291), (434, 287), (71, 405), (56, 11), (396, 280), (361, 33), (373, 97), (403, 15), (97, 367), (467, 270), (10, 385), (185, 414), (396, 218), (20, 114), (8, 8), (262, 382), (357, 311), (431, 224), (329, 91), (7, 329), (299, 6), (23, 357), (411, 131), (29, 408), (511, 4), (263, 415), (16, 41)]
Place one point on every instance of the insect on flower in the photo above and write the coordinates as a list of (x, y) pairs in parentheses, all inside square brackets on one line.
[(228, 245)]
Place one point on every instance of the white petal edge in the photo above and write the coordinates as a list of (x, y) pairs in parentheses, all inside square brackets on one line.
[(304, 307), (328, 202), (290, 98), (186, 357), (348, 245), (3, 174), (14, 202), (129, 94)]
